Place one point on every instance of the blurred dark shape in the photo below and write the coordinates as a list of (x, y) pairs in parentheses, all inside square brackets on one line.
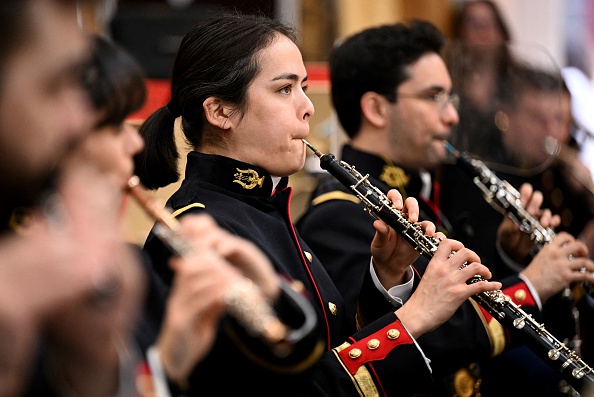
[(152, 30)]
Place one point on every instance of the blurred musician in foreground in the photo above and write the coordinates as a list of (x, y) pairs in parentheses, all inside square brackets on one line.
[(96, 344), (43, 110)]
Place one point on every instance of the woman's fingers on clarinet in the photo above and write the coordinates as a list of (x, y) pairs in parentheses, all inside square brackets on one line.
[(428, 228), (411, 207), (396, 198)]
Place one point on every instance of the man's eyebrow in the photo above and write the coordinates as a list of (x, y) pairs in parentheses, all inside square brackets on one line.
[(289, 76), (436, 88)]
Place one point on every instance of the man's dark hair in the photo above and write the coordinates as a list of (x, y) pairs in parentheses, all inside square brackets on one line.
[(376, 60)]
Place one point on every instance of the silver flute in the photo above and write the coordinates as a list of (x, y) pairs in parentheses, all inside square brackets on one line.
[(570, 365), (244, 299)]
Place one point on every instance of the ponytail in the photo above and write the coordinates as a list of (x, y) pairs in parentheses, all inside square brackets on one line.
[(157, 164)]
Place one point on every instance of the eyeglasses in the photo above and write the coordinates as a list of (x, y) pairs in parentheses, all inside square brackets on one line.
[(442, 98)]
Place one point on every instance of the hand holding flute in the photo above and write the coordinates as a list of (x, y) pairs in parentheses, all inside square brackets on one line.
[(217, 273), (205, 286)]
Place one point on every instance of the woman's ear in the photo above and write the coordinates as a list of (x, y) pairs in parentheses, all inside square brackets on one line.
[(373, 107), (217, 113)]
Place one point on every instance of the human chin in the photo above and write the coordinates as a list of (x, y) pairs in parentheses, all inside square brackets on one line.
[(291, 167), (300, 164)]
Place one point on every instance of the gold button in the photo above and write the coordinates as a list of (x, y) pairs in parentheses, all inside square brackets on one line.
[(520, 295), (464, 383), (373, 344), (308, 256), (393, 334), (355, 353), (332, 308)]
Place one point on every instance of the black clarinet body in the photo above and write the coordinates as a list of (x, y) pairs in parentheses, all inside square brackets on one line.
[(503, 197), (571, 367), (506, 199)]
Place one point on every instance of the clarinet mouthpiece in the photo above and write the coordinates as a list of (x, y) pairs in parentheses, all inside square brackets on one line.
[(316, 151), (451, 149)]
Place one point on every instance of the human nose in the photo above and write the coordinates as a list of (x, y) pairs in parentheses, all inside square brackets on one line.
[(309, 108), (450, 113)]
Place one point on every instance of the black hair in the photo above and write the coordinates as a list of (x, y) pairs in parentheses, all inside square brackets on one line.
[(376, 60), (114, 81), (217, 58)]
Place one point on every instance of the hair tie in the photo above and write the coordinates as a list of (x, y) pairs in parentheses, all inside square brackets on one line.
[(174, 108)]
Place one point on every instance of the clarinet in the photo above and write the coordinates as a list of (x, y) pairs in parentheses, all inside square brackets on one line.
[(506, 200), (571, 367), (244, 299)]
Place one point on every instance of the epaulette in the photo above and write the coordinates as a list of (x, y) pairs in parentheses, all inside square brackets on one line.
[(187, 207), (335, 195)]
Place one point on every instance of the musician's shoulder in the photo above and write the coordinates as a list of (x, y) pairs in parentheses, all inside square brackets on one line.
[(329, 188)]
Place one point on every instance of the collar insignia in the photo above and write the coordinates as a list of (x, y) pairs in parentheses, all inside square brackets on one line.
[(394, 176), (248, 179)]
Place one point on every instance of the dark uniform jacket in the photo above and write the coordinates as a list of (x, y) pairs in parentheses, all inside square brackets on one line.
[(338, 229), (380, 359)]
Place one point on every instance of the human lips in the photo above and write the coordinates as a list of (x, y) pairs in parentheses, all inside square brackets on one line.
[(444, 136)]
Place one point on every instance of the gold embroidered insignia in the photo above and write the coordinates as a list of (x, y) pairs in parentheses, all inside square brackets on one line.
[(394, 176), (248, 179)]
